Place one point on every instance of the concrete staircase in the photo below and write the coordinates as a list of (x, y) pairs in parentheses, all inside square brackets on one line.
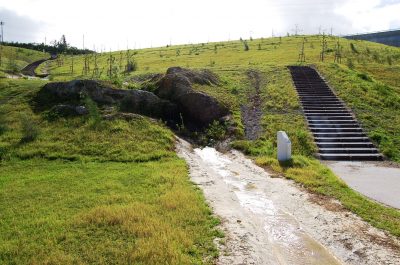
[(336, 132)]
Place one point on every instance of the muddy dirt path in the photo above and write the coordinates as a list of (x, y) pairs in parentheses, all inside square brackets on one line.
[(252, 112), (271, 221)]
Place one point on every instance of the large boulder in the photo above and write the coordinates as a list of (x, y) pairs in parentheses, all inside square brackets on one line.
[(69, 110), (136, 101), (196, 108), (173, 96), (200, 108), (172, 86), (202, 77)]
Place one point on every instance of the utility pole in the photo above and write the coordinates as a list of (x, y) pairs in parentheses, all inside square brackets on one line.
[(44, 46), (1, 44), (296, 30), (2, 34)]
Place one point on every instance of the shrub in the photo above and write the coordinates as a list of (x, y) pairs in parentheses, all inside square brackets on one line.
[(30, 130), (94, 113), (215, 131), (305, 143), (12, 65), (350, 63), (131, 66), (389, 60), (353, 48), (254, 148), (246, 46), (3, 126), (364, 76)]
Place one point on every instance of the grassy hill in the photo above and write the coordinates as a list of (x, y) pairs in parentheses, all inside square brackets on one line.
[(367, 78), (14, 59), (86, 190)]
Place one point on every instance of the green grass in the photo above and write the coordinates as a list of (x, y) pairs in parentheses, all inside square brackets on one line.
[(14, 59), (115, 192), (371, 84), (376, 105), (56, 212), (111, 194), (370, 61)]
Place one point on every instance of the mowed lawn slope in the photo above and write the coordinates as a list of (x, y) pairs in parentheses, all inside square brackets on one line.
[(80, 191)]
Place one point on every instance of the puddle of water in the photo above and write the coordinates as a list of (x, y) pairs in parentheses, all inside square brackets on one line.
[(26, 76), (291, 244)]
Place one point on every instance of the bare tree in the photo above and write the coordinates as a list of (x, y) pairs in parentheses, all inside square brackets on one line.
[(324, 45), (338, 53), (302, 56), (72, 64)]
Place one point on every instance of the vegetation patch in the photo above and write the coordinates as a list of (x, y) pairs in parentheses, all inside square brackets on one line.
[(91, 191)]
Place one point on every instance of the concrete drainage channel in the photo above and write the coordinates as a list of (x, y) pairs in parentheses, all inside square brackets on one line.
[(336, 132)]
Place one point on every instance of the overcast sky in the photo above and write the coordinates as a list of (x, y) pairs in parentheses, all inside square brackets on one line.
[(117, 24)]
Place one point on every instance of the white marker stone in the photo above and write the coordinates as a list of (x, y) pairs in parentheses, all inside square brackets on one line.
[(284, 147)]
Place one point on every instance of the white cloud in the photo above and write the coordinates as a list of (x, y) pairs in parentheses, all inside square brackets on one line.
[(371, 15), (111, 24)]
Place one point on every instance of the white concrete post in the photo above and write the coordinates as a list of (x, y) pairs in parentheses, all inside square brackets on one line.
[(284, 147)]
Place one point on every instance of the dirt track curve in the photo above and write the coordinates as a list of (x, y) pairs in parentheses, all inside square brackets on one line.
[(29, 70)]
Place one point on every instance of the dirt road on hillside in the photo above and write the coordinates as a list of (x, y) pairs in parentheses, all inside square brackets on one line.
[(272, 221), (29, 70)]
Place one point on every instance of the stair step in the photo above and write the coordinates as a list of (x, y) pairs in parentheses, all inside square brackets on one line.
[(327, 130), (324, 115), (367, 150), (361, 139), (331, 121), (316, 98), (351, 157), (318, 104), (329, 117), (338, 134), (329, 126), (323, 98), (345, 145), (324, 108), (305, 93), (332, 111)]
